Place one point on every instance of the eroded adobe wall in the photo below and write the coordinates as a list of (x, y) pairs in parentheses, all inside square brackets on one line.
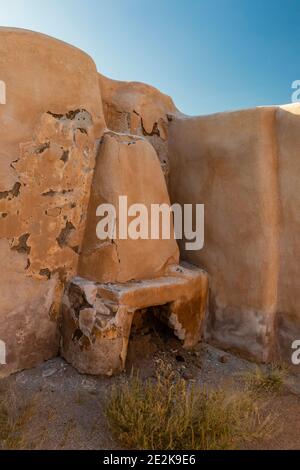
[(138, 109), (48, 132), (228, 162), (131, 161), (126, 166), (243, 166)]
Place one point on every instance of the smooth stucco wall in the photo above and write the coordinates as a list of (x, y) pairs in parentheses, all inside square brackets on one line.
[(288, 136), (228, 162)]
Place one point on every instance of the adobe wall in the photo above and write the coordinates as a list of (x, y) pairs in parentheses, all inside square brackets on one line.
[(127, 166), (288, 318), (244, 167), (225, 161), (48, 132), (138, 109), (51, 130)]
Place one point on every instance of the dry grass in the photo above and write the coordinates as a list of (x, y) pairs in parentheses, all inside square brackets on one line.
[(268, 381), (14, 417), (169, 414)]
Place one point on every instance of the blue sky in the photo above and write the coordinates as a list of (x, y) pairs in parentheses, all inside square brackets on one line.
[(209, 55)]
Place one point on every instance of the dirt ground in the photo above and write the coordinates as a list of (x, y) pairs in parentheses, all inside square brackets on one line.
[(67, 409)]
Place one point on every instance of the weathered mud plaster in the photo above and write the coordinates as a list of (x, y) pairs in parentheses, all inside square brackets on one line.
[(243, 166), (288, 318), (228, 162), (97, 317), (46, 218), (48, 133), (139, 109), (51, 129), (126, 165), (28, 327)]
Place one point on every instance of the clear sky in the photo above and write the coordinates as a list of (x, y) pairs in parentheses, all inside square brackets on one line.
[(209, 55)]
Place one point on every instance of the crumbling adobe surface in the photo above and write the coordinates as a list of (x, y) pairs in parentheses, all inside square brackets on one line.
[(72, 139), (97, 318), (139, 109), (52, 128), (126, 165), (48, 134)]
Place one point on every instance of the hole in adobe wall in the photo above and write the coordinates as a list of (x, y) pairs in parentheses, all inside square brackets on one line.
[(150, 334), (152, 320), (153, 344)]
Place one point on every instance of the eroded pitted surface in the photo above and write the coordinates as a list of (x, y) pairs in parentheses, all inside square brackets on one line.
[(139, 109), (45, 220), (97, 317), (45, 217), (48, 133), (126, 166), (95, 329)]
